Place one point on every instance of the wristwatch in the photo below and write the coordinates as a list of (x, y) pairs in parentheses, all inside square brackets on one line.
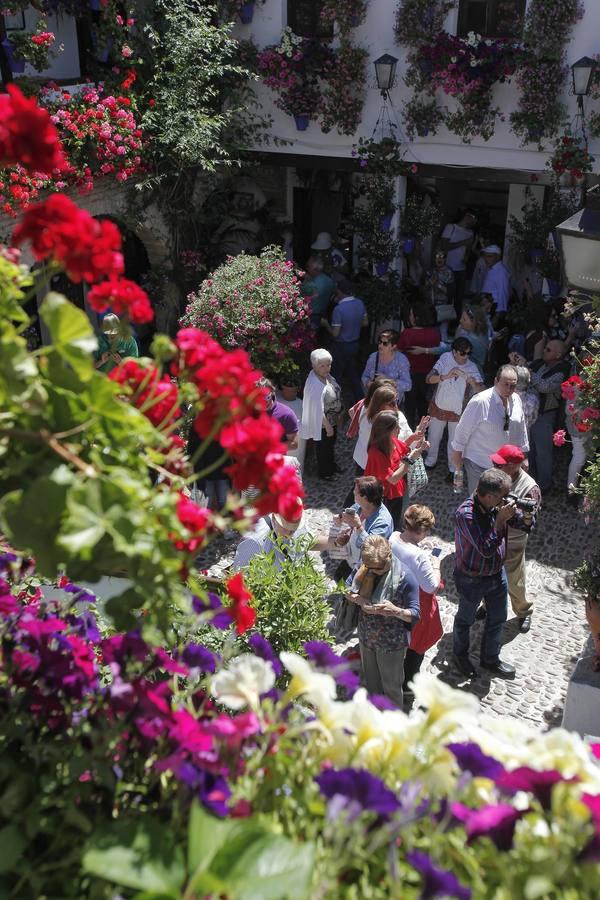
[(410, 461)]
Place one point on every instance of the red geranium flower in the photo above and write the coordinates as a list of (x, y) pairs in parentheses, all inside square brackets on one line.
[(27, 134), (242, 614), (123, 296), (88, 250)]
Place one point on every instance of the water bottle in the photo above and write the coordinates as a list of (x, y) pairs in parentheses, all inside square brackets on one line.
[(458, 481)]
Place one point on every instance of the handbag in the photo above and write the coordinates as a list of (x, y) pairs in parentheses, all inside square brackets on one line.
[(346, 619), (416, 477), (445, 312)]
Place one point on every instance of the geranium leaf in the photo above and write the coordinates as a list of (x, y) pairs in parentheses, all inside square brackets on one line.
[(12, 842), (72, 335), (206, 835), (271, 868)]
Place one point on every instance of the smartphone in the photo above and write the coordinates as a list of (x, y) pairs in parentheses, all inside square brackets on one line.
[(437, 551), (350, 511)]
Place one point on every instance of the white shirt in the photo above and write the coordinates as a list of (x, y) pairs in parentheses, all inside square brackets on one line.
[(417, 561), (450, 394), (455, 259), (480, 431), (497, 283), (262, 540), (361, 450)]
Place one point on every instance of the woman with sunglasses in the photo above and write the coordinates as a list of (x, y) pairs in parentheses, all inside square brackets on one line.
[(389, 459), (453, 373), (388, 361)]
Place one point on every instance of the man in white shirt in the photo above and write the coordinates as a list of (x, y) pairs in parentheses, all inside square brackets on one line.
[(284, 536), (491, 418), (497, 281), (457, 239)]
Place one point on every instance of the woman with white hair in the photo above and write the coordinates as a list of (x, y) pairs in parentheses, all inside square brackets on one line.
[(321, 407)]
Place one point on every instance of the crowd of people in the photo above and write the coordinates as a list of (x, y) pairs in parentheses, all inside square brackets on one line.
[(453, 357)]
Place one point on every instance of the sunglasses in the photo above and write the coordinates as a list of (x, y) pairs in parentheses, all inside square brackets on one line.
[(384, 343), (464, 352)]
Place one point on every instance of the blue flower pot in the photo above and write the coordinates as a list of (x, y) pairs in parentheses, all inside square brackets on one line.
[(95, 5), (246, 12), (17, 65), (386, 222), (423, 131), (301, 122), (354, 20), (381, 268), (408, 245), (536, 254)]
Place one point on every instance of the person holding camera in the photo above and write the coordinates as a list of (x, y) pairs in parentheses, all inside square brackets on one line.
[(528, 500), (480, 541)]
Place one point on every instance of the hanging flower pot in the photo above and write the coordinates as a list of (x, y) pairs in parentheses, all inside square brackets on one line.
[(422, 130), (301, 122), (408, 245), (536, 254), (354, 20), (95, 5), (246, 12), (381, 268), (17, 65), (386, 222)]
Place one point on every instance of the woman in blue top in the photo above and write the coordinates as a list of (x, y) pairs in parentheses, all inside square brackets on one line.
[(388, 361), (112, 347), (473, 326)]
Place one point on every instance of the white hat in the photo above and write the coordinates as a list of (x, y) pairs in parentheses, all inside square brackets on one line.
[(493, 248), (290, 525), (323, 241)]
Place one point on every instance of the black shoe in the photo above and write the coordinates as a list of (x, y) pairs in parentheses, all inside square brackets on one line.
[(464, 665), (499, 668), (525, 624), (481, 613)]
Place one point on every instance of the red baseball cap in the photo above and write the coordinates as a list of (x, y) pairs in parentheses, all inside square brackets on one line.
[(507, 453)]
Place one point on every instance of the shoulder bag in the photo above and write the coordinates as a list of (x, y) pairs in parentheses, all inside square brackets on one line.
[(416, 477)]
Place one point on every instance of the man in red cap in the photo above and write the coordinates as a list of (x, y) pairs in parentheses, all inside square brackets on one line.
[(510, 458)]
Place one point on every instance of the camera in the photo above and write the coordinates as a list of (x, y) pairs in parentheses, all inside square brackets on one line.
[(522, 504)]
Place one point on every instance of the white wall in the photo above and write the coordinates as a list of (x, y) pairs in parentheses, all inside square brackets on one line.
[(376, 34)]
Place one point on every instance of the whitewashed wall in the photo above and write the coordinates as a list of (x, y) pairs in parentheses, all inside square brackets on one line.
[(502, 151)]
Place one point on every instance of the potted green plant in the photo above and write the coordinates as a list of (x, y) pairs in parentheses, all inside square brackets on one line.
[(587, 579), (29, 47), (422, 116)]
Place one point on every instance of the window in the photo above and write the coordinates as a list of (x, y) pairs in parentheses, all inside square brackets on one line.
[(304, 18), (491, 18)]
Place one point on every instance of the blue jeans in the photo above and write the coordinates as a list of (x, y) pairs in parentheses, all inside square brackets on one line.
[(345, 363), (471, 591), (541, 449)]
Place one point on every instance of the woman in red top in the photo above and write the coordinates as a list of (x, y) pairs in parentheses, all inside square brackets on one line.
[(389, 459), (421, 332)]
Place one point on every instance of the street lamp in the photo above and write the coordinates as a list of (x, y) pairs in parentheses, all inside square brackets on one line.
[(580, 245), (582, 71), (385, 72)]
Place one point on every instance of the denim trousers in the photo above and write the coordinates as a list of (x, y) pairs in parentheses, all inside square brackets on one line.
[(493, 589), (345, 366), (541, 448)]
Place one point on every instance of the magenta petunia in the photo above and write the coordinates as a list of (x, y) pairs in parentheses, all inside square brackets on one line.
[(496, 821), (540, 784)]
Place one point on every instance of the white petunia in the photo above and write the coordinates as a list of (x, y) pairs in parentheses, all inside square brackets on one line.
[(318, 687), (243, 681), (443, 703)]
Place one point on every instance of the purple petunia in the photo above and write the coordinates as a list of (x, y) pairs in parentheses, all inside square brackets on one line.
[(221, 618), (198, 657), (356, 790), (326, 660), (496, 821), (436, 882), (471, 758), (540, 784), (380, 701), (262, 648)]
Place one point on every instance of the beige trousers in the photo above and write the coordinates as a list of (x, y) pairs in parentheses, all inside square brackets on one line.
[(514, 566)]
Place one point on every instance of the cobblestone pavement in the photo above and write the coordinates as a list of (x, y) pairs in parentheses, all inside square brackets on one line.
[(546, 656)]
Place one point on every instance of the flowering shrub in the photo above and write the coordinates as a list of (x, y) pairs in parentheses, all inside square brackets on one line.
[(315, 80), (33, 47), (254, 302), (418, 21), (570, 156), (542, 70), (100, 136), (582, 395)]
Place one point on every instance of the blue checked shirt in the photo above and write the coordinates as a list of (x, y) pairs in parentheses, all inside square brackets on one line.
[(480, 549)]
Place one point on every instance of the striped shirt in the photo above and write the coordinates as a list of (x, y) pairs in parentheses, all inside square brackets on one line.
[(480, 549)]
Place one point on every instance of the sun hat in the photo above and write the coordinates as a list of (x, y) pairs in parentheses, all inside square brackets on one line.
[(492, 248), (507, 453), (110, 324), (290, 524), (322, 241)]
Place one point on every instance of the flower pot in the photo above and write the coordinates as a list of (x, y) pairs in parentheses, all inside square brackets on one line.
[(534, 136), (567, 179), (422, 130), (386, 222), (246, 12), (17, 65), (408, 245), (536, 254), (95, 5), (381, 268), (301, 122), (354, 20), (592, 614), (426, 66)]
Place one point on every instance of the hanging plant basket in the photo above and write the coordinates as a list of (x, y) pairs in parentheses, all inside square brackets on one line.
[(408, 245), (17, 65)]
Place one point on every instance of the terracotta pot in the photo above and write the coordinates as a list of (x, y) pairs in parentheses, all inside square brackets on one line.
[(592, 614)]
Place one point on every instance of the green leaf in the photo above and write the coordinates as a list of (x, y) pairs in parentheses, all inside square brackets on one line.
[(206, 835), (72, 335), (12, 844), (265, 867), (137, 855)]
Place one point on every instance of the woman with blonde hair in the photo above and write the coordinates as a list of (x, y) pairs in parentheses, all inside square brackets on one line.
[(419, 557), (113, 347), (388, 600)]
